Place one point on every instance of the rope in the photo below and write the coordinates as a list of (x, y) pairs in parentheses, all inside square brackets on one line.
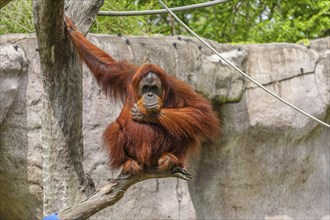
[(240, 71), (160, 11)]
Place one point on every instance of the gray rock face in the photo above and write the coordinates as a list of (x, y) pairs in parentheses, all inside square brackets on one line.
[(21, 189), (269, 163), (271, 160), (13, 65)]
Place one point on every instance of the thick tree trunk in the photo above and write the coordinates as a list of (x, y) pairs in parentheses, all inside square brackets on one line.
[(65, 182)]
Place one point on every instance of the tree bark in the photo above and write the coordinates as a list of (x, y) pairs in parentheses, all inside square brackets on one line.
[(114, 191), (64, 180)]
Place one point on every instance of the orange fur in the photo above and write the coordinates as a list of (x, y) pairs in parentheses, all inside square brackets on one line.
[(166, 136), (167, 161)]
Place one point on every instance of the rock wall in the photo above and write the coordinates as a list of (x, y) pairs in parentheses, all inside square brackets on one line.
[(21, 190), (270, 160)]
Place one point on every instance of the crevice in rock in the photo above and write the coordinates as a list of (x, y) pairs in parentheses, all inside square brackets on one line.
[(281, 80), (178, 196)]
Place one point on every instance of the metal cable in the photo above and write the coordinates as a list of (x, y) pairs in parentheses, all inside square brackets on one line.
[(160, 11), (240, 71)]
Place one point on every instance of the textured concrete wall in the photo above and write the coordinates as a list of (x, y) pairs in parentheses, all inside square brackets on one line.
[(269, 163)]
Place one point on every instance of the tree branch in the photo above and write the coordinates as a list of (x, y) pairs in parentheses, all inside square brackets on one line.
[(3, 3), (114, 191)]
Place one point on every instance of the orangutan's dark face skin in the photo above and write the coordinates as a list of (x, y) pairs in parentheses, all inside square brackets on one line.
[(150, 90)]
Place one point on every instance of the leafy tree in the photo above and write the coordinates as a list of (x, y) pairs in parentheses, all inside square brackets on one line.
[(235, 21), (16, 17)]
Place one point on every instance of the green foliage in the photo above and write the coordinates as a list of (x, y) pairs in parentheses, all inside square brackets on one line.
[(293, 21), (235, 21), (131, 25), (16, 17)]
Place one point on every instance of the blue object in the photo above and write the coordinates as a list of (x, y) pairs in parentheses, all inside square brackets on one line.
[(51, 217)]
